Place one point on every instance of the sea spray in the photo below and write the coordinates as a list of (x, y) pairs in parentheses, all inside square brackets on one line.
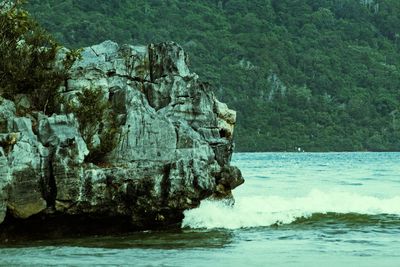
[(260, 211)]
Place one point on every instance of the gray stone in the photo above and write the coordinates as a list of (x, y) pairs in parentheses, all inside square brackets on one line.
[(144, 135), (7, 113), (5, 179), (24, 193), (67, 171), (167, 59), (62, 130), (67, 153), (23, 103), (24, 127), (174, 142)]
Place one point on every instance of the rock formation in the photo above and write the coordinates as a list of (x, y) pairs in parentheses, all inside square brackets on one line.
[(173, 149)]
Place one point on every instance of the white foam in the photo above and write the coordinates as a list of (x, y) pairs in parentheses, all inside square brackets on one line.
[(265, 211)]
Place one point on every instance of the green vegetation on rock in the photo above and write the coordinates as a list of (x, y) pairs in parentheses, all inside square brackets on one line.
[(92, 112), (318, 74), (28, 58), (29, 67)]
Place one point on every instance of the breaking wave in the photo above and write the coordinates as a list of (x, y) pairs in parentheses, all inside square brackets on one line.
[(276, 210)]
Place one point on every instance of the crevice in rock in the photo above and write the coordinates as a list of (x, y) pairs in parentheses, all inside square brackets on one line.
[(165, 184), (48, 184), (130, 78), (223, 133), (52, 185), (150, 55), (111, 73), (177, 133)]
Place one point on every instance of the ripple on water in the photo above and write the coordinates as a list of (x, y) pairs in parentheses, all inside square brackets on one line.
[(299, 209)]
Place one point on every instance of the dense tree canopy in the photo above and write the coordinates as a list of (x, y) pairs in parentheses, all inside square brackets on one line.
[(27, 54), (318, 74)]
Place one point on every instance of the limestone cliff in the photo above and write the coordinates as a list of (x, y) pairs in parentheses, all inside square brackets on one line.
[(173, 149)]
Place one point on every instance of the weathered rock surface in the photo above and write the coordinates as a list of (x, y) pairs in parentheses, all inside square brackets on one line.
[(174, 143)]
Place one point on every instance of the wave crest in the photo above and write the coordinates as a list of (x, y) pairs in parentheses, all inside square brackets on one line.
[(266, 211)]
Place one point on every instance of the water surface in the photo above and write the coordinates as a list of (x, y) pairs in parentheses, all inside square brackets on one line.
[(295, 209)]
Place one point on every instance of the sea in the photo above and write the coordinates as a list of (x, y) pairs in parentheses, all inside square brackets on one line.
[(295, 209)]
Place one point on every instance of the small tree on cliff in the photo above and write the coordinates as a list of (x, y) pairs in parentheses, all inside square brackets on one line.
[(96, 121), (28, 55)]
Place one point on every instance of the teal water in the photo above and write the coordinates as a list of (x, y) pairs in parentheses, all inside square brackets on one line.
[(295, 209)]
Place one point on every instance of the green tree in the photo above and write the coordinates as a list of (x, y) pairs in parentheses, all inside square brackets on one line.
[(28, 55)]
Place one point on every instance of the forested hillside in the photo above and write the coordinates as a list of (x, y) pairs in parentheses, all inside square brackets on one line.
[(322, 75)]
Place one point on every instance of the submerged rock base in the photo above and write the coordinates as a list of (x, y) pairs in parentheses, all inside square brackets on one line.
[(173, 149)]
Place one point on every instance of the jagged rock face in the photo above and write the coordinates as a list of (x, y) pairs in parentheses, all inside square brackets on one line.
[(174, 142)]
